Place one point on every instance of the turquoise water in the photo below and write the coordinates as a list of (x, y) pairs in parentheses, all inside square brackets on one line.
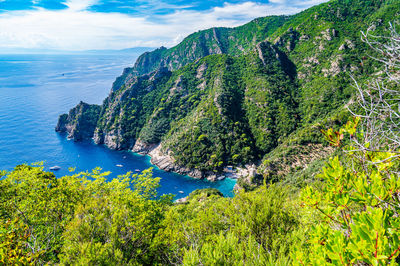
[(36, 89)]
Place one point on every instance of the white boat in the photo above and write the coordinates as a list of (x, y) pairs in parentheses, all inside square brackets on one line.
[(119, 165), (55, 168), (137, 170), (222, 177), (180, 191)]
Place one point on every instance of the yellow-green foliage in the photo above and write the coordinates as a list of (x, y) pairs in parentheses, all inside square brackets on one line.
[(351, 217), (359, 208), (13, 235), (84, 219), (250, 228)]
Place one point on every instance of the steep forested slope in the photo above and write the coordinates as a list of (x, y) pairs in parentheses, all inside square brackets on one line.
[(233, 41), (258, 93)]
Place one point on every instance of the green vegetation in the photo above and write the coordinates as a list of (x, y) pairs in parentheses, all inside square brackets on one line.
[(314, 204), (232, 41), (251, 94), (82, 219), (80, 122), (206, 113), (348, 214), (356, 206)]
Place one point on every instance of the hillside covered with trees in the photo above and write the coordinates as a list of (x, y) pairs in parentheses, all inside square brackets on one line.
[(318, 109), (256, 95)]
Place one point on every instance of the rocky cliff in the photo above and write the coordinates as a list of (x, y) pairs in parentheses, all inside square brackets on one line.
[(238, 96), (232, 41), (80, 122)]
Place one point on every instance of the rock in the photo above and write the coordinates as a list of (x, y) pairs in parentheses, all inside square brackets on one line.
[(353, 68), (301, 75), (149, 61), (113, 129), (80, 122), (237, 188), (249, 171), (127, 78), (304, 37), (143, 148), (313, 59), (181, 200), (248, 178), (278, 41), (166, 162), (326, 34), (264, 50), (346, 45), (336, 67), (113, 139), (201, 70), (350, 44), (321, 46), (62, 123), (97, 136), (212, 177)]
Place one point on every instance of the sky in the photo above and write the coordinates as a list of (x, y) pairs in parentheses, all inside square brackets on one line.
[(78, 25)]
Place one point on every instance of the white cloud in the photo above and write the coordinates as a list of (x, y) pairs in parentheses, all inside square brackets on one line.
[(78, 5), (78, 29)]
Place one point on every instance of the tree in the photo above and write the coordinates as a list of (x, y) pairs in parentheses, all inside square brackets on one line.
[(378, 100), (358, 205), (78, 219)]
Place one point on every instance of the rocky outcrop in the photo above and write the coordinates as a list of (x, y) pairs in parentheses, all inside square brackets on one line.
[(163, 160), (112, 139), (121, 116), (289, 39), (336, 67), (146, 62), (80, 122), (143, 148), (207, 42), (248, 178)]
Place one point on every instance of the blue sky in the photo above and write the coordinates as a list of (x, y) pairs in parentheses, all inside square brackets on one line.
[(116, 24)]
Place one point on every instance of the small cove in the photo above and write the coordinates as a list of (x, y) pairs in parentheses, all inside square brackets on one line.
[(36, 89)]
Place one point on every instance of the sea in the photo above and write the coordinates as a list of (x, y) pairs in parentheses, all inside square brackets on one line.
[(36, 89)]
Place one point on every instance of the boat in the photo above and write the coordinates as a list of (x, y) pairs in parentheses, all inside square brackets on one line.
[(180, 191), (137, 170), (55, 168), (119, 165), (222, 177)]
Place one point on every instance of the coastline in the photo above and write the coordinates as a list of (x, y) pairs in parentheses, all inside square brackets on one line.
[(164, 161)]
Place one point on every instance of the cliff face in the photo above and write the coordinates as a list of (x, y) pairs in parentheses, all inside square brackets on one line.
[(80, 122), (195, 120), (251, 94), (232, 41), (125, 111)]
